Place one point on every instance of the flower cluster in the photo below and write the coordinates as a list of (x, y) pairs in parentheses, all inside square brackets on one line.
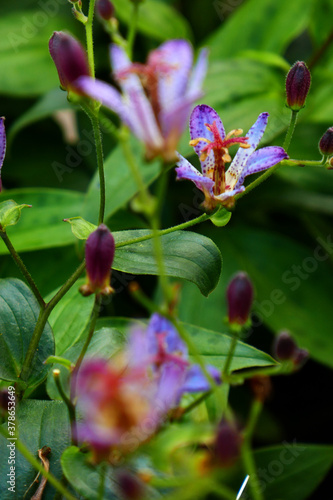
[(124, 401), (211, 144)]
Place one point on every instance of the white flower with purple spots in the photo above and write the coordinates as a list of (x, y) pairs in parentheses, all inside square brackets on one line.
[(212, 146), (156, 97)]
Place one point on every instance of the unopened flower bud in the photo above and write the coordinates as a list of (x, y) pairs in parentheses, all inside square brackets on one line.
[(130, 486), (105, 9), (284, 347), (227, 445), (297, 85), (326, 143), (239, 298), (69, 57), (99, 251), (301, 356), (3, 401), (261, 387)]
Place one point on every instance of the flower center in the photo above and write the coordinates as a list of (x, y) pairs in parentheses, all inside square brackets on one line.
[(220, 147)]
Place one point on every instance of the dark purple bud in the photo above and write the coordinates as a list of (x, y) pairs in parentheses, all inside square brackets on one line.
[(301, 356), (69, 57), (4, 400), (326, 142), (261, 387), (227, 444), (2, 145), (297, 85), (239, 298), (130, 486), (105, 9), (284, 347), (99, 251)]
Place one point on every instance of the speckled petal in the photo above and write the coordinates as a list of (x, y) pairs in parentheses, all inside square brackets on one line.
[(177, 55), (261, 160), (104, 93), (202, 115), (2, 145), (230, 193), (254, 136), (186, 171)]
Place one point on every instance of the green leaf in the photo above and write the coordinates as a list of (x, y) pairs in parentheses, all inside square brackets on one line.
[(214, 348), (84, 477), (48, 104), (10, 213), (39, 423), (105, 343), (119, 182), (221, 218), (80, 227), (26, 66), (19, 311), (43, 226), (157, 20), (70, 317), (186, 255), (260, 25)]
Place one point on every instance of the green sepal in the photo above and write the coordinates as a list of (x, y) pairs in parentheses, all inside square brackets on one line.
[(221, 218), (80, 227), (10, 213)]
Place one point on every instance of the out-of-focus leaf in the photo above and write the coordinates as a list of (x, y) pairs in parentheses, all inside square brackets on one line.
[(321, 21), (157, 20), (186, 255), (43, 226), (10, 213), (19, 311), (261, 25), (39, 423)]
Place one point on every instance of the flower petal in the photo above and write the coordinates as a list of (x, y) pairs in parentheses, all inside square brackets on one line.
[(186, 171), (158, 324), (254, 136), (202, 115), (198, 74), (2, 145), (196, 381), (261, 160), (170, 386), (176, 57), (230, 193)]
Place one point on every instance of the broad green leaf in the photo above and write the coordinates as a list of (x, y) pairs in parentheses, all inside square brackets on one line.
[(186, 255), (26, 66), (292, 282), (105, 343), (70, 317), (80, 227), (120, 184), (39, 423), (43, 226), (84, 477), (10, 213), (19, 311), (214, 348), (157, 20), (260, 25), (48, 104)]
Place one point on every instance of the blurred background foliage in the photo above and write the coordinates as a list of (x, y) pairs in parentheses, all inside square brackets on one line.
[(273, 233)]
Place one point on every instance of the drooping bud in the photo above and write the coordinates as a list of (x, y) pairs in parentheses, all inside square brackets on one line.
[(300, 358), (129, 485), (239, 298), (326, 143), (2, 145), (69, 57), (297, 85), (227, 444), (105, 9), (99, 252), (284, 347)]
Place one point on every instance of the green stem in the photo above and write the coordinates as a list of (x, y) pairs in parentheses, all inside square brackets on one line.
[(132, 29), (184, 225), (68, 403), (101, 486), (231, 353), (196, 402), (20, 264), (93, 115), (42, 319), (38, 466), (89, 37), (290, 130)]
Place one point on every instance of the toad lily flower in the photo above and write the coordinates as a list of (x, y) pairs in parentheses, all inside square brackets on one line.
[(2, 145), (212, 146), (156, 97)]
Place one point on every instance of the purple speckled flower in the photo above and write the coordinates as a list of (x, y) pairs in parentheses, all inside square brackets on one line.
[(2, 145), (212, 146), (156, 97)]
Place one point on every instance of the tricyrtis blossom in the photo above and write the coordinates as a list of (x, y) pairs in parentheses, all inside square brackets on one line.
[(212, 146), (156, 97)]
